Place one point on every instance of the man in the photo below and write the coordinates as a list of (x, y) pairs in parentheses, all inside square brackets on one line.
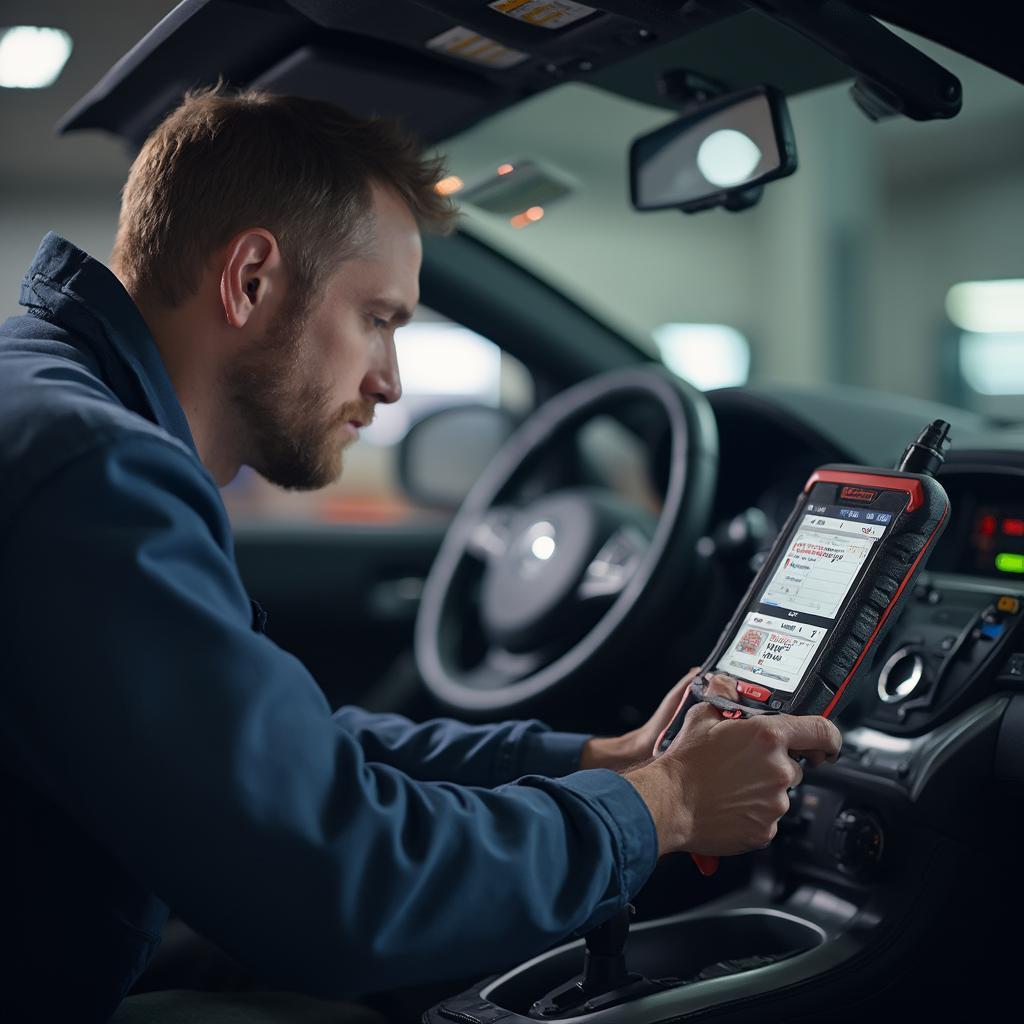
[(157, 750)]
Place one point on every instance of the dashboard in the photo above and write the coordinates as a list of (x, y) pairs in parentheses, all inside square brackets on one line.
[(962, 637), (943, 699), (986, 536)]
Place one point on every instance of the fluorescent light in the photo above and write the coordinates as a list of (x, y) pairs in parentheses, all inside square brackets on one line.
[(987, 306), (707, 355), (993, 364), (728, 157), (32, 58)]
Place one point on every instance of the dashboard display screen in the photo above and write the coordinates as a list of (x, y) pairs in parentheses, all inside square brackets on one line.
[(794, 613), (997, 541)]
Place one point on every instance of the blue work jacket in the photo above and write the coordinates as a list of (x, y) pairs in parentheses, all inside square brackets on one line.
[(157, 751)]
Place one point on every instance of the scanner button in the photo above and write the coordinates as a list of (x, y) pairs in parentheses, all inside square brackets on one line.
[(753, 692)]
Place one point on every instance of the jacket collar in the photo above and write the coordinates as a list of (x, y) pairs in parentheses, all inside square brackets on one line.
[(70, 288)]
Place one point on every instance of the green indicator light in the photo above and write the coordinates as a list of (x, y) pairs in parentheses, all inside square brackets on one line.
[(1008, 562)]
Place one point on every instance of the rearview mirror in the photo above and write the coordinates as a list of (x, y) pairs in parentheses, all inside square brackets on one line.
[(719, 154)]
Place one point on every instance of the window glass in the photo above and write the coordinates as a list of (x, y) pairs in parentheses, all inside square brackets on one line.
[(707, 355), (837, 276), (993, 363), (990, 347), (443, 364)]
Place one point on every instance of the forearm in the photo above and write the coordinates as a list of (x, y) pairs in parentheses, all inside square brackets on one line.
[(617, 753), (445, 750), (212, 770)]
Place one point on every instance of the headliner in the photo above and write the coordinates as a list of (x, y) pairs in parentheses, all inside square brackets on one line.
[(372, 57)]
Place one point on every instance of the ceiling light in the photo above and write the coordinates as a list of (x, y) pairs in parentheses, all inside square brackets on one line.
[(527, 217), (450, 185), (525, 185), (32, 58), (985, 307)]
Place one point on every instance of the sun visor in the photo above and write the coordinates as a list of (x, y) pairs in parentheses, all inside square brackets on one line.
[(440, 65), (436, 106)]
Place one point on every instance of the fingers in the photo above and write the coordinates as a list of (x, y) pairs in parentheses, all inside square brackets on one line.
[(721, 685), (815, 758), (811, 736), (704, 715), (677, 694)]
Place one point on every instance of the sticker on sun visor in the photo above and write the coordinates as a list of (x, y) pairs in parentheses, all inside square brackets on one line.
[(469, 45), (544, 13)]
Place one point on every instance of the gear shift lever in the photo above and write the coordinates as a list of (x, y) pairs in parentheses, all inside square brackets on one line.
[(605, 981), (604, 963)]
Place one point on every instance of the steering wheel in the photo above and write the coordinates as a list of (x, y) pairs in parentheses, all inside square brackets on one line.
[(563, 580)]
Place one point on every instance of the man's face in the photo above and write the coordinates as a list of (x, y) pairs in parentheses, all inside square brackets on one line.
[(305, 388)]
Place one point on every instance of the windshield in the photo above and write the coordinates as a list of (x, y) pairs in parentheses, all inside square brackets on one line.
[(846, 273)]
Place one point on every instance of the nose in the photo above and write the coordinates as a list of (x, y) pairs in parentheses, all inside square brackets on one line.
[(383, 383)]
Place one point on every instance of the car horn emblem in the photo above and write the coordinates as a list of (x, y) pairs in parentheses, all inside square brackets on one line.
[(536, 546)]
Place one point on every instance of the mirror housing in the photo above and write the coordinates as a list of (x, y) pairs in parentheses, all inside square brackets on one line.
[(443, 453), (719, 153)]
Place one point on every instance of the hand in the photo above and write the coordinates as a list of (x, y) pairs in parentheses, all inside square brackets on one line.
[(620, 753), (721, 787)]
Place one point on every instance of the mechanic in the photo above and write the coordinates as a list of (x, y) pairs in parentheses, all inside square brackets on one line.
[(157, 749)]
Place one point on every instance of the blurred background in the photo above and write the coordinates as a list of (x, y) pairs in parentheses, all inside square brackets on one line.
[(892, 260)]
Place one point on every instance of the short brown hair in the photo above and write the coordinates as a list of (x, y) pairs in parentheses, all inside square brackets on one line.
[(303, 169)]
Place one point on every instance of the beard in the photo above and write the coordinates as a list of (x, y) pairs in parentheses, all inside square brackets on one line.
[(293, 437)]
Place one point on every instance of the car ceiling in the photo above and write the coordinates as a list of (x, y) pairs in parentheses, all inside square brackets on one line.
[(374, 57)]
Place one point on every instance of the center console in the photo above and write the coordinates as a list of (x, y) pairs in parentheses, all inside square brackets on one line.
[(863, 862)]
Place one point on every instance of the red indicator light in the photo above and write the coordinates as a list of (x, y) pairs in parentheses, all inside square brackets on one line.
[(987, 526), (1013, 527)]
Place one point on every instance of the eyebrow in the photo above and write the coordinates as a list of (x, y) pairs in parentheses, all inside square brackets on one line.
[(400, 314)]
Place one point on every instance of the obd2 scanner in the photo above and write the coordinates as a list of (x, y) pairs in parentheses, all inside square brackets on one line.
[(832, 586)]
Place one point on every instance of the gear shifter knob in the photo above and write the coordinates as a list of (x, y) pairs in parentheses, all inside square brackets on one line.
[(604, 965)]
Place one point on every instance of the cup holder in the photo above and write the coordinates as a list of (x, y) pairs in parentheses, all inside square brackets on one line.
[(678, 947)]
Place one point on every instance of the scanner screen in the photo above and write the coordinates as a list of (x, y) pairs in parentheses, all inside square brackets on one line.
[(779, 636)]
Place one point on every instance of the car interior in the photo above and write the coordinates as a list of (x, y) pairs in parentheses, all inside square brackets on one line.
[(640, 360)]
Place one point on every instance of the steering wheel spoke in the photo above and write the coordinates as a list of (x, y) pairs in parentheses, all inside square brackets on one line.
[(500, 668), (614, 565), (488, 540)]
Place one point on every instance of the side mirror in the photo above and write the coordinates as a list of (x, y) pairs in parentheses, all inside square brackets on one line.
[(719, 154), (441, 456)]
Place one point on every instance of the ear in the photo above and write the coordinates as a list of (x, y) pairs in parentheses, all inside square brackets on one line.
[(251, 275)]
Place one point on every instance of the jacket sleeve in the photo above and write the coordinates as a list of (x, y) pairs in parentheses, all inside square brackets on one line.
[(444, 749), (206, 759)]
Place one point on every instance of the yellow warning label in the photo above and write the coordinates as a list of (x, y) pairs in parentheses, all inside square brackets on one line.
[(543, 13), (1008, 604), (469, 45)]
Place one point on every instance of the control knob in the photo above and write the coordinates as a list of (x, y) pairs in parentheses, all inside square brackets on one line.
[(855, 841)]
